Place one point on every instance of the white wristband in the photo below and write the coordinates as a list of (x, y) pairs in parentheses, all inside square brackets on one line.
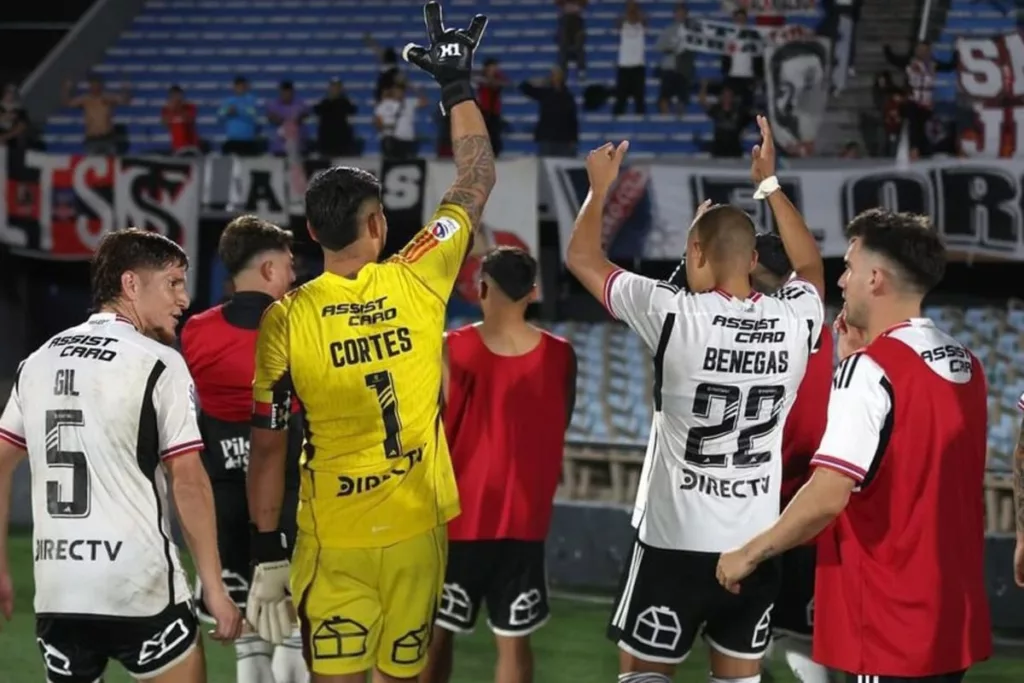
[(767, 186)]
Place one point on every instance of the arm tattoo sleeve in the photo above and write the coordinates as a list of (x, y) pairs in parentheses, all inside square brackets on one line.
[(474, 163)]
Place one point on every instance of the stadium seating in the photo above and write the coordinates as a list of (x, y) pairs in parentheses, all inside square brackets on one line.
[(203, 44), (965, 19), (614, 403)]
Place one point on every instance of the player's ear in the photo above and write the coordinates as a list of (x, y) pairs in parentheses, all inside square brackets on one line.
[(312, 235), (267, 270), (753, 262), (130, 285), (533, 295)]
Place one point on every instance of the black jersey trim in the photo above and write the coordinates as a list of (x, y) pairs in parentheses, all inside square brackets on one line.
[(844, 373), (659, 357), (884, 434), (147, 455)]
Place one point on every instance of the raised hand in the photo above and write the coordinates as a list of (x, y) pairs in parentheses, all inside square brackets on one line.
[(449, 59), (603, 164), (849, 338), (762, 156)]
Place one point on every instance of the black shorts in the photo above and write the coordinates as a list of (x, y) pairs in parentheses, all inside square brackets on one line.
[(666, 596), (76, 649), (233, 532), (955, 677), (794, 609), (509, 575)]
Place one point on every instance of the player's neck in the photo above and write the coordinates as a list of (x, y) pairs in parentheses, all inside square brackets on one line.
[(892, 315), (122, 309), (508, 334), (346, 263), (253, 284), (738, 287)]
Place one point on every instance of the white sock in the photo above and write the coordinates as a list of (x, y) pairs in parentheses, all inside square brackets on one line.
[(288, 665), (798, 657), (253, 655), (748, 679)]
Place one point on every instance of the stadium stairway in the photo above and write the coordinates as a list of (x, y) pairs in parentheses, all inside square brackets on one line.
[(614, 404), (203, 44)]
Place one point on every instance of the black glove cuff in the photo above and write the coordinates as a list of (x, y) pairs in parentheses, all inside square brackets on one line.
[(268, 546), (454, 93)]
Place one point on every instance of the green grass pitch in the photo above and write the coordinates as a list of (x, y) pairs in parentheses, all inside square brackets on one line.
[(571, 648)]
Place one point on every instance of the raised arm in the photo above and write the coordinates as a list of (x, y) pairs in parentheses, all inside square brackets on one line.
[(585, 255), (449, 61), (799, 243), (475, 172)]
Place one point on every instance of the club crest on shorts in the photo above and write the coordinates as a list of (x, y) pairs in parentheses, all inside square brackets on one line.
[(443, 229)]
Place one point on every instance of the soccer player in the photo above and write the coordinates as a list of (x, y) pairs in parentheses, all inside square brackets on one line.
[(502, 374), (219, 346), (793, 616), (727, 362), (361, 347), (898, 479), (106, 414)]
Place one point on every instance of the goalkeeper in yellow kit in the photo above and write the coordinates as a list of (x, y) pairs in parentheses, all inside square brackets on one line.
[(360, 347)]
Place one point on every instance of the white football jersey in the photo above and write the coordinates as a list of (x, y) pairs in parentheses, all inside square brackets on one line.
[(726, 373), (99, 407)]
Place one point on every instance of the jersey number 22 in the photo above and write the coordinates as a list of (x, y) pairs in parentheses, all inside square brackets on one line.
[(733, 404)]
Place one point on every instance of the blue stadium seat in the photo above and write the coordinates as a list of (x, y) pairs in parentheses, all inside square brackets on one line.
[(966, 19), (201, 45)]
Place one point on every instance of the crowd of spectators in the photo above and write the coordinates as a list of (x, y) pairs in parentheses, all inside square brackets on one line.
[(401, 114)]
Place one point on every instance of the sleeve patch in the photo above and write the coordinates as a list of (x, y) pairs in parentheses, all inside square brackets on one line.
[(444, 229)]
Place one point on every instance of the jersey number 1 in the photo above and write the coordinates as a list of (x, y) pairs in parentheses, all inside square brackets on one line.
[(57, 456), (732, 401), (383, 385)]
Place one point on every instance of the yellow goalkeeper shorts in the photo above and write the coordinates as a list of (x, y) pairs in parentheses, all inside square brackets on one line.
[(365, 608)]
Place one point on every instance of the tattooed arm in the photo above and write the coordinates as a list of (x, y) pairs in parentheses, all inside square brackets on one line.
[(474, 162)]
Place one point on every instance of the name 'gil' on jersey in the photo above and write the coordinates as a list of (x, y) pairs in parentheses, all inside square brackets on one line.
[(725, 374)]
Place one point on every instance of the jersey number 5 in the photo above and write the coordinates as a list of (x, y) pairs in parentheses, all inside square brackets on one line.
[(56, 456), (732, 400), (383, 385)]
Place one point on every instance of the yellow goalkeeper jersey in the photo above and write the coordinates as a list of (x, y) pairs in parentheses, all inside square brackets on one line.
[(363, 355)]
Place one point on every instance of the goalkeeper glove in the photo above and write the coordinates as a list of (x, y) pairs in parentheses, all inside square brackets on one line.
[(449, 59), (268, 608)]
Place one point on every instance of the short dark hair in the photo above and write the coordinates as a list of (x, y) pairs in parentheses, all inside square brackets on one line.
[(490, 61), (286, 85), (175, 88), (726, 232), (131, 249), (241, 80), (334, 198), (513, 270), (245, 237), (907, 241)]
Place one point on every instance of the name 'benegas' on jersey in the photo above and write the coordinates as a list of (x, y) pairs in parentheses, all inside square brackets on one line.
[(85, 346)]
